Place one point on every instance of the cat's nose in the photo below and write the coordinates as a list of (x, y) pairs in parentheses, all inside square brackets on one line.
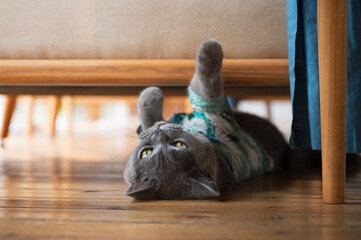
[(159, 136), (160, 123)]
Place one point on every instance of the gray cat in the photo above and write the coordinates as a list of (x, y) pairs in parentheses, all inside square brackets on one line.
[(198, 155)]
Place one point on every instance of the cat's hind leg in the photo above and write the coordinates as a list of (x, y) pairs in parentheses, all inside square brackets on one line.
[(150, 107), (207, 81)]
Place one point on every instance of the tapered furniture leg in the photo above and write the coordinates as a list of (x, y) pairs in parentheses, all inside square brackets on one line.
[(8, 113), (94, 110), (332, 21), (29, 127), (68, 104), (269, 110), (54, 103)]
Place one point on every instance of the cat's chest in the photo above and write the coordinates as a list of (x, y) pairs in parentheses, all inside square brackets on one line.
[(244, 156)]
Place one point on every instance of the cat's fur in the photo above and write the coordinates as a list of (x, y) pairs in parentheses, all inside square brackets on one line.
[(198, 171)]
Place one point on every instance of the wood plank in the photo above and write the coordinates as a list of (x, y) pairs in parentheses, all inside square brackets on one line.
[(136, 72)]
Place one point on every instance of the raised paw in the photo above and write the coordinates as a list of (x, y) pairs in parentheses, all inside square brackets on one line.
[(150, 107), (209, 59), (207, 81)]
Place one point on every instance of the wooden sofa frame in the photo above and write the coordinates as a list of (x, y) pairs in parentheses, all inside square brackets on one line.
[(128, 77)]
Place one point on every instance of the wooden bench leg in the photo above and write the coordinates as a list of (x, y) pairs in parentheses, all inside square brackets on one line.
[(332, 21), (8, 113)]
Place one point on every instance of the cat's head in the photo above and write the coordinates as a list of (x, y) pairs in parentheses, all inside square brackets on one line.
[(170, 163)]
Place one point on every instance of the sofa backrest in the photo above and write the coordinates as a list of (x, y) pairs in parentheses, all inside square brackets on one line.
[(140, 29)]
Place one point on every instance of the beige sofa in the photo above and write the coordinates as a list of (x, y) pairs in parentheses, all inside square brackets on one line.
[(117, 47), (131, 43)]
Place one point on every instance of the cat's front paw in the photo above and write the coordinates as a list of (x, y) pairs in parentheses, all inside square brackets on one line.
[(209, 59), (151, 96), (150, 107), (207, 82)]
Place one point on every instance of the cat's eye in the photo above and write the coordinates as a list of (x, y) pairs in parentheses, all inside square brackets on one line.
[(145, 153), (180, 144)]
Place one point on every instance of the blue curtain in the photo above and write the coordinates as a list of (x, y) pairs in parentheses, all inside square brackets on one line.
[(303, 70)]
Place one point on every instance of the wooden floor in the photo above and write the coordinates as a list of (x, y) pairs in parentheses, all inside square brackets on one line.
[(72, 188)]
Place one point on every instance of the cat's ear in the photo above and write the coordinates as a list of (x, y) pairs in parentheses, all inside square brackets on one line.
[(139, 190), (204, 188)]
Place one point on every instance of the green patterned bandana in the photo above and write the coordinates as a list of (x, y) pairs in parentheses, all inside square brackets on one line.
[(214, 118)]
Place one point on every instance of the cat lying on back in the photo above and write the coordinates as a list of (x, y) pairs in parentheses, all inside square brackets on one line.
[(198, 155)]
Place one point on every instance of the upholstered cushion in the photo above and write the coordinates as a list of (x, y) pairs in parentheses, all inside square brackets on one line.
[(140, 29)]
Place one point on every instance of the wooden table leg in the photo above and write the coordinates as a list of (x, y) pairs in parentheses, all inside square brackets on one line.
[(332, 21)]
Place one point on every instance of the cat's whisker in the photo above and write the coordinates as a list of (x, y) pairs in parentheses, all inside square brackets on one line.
[(128, 135)]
